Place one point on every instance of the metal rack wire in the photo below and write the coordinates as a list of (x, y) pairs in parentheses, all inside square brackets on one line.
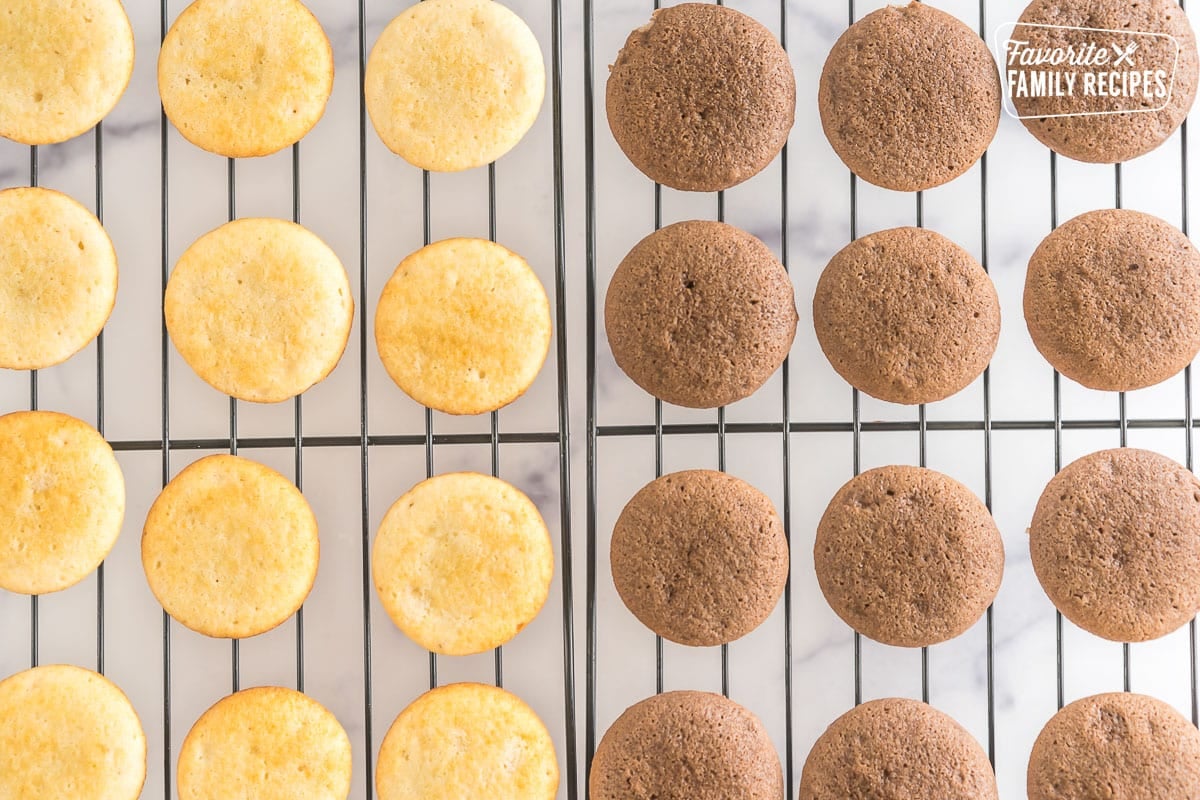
[(985, 425)]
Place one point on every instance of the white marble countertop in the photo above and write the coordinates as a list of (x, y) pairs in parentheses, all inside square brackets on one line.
[(1024, 672)]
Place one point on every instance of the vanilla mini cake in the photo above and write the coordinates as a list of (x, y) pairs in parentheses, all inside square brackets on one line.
[(245, 78), (462, 563), (454, 84), (266, 743), (230, 547), (62, 501), (467, 740), (260, 309), (463, 326), (63, 66), (58, 277), (68, 732)]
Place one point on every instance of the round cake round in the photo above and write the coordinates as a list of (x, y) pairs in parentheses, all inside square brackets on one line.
[(243, 78), (58, 277), (63, 67), (701, 98), (1112, 300), (1115, 542), (689, 744), (467, 740), (260, 309), (700, 314), (700, 557), (68, 732), (62, 501), (463, 326), (230, 547), (269, 743), (1110, 126), (454, 84), (462, 562), (909, 97), (1115, 745), (897, 748), (906, 316), (908, 556)]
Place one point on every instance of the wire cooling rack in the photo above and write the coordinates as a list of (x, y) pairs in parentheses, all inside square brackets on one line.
[(805, 667), (172, 674)]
